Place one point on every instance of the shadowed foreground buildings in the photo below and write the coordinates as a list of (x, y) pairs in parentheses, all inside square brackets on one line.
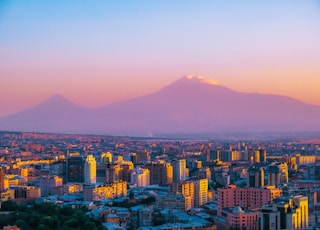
[(285, 213)]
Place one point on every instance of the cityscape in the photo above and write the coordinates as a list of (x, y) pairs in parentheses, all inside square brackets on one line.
[(159, 115), (148, 183)]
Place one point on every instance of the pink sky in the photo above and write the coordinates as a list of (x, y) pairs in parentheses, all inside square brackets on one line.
[(95, 57)]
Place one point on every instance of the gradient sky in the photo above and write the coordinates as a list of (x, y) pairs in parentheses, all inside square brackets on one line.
[(99, 52)]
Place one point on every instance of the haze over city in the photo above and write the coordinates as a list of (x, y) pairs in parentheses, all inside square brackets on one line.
[(108, 51)]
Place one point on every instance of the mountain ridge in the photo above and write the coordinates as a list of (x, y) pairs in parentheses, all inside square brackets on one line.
[(188, 105)]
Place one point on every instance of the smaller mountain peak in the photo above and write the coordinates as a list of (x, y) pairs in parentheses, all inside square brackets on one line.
[(57, 98), (202, 79)]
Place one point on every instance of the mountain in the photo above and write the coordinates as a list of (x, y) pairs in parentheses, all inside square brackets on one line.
[(56, 114), (191, 105)]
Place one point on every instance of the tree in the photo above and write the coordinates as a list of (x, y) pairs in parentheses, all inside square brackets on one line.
[(22, 224), (8, 206)]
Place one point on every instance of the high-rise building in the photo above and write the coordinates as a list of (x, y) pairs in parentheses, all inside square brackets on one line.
[(257, 156), (90, 170), (185, 188), (4, 183), (263, 155), (215, 154), (255, 177), (106, 157), (143, 157), (119, 171), (101, 172), (75, 167), (230, 155), (179, 169), (160, 173), (204, 173), (140, 177), (200, 192), (113, 173), (278, 174), (285, 213)]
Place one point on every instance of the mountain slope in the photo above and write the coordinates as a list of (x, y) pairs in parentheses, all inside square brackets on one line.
[(189, 105), (56, 114)]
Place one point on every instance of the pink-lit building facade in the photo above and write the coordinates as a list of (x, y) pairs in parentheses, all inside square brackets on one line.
[(236, 218), (247, 198)]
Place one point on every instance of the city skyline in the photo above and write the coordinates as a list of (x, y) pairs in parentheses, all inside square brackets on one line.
[(97, 54)]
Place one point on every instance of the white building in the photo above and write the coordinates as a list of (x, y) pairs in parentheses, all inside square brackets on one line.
[(90, 170), (140, 177)]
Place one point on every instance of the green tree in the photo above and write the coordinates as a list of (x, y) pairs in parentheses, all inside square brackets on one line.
[(8, 206), (22, 224)]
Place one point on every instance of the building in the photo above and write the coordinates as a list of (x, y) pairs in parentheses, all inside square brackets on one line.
[(113, 173), (47, 183), (285, 213), (7, 194), (247, 198), (140, 177), (303, 159), (101, 172), (121, 170), (179, 169), (185, 188), (175, 202), (313, 172), (204, 173), (215, 155), (58, 168), (223, 179), (9, 227), (106, 158), (142, 157), (26, 192), (114, 190), (200, 192), (90, 170), (263, 155), (75, 167), (278, 174), (255, 177), (237, 218), (161, 173), (256, 156), (230, 156), (4, 183), (145, 217)]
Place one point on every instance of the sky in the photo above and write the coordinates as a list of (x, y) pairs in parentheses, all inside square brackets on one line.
[(100, 52)]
